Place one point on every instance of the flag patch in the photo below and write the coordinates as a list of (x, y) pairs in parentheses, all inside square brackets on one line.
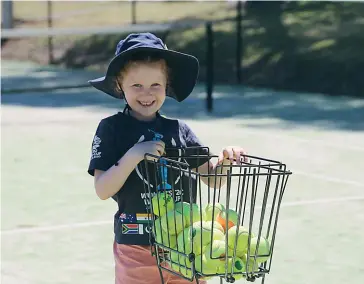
[(142, 218), (132, 229), (132, 218)]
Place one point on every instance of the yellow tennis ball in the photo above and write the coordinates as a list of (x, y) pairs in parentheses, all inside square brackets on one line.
[(162, 203), (172, 222), (242, 239), (212, 208), (199, 236), (180, 258), (238, 266), (164, 238), (250, 266), (185, 271), (204, 234), (205, 266), (213, 225), (227, 219), (263, 252), (188, 242), (184, 208), (184, 241)]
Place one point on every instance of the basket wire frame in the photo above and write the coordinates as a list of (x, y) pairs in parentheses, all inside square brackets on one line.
[(248, 188)]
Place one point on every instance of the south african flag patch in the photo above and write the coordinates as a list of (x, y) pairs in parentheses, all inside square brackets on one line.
[(132, 229)]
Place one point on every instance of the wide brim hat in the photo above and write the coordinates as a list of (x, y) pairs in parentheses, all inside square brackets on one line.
[(183, 68)]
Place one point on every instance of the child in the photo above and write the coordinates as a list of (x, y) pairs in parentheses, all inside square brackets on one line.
[(143, 73)]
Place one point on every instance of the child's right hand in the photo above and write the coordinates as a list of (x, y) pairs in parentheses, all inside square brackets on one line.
[(151, 147)]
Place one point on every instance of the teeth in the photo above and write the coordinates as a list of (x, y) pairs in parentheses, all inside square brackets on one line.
[(146, 104)]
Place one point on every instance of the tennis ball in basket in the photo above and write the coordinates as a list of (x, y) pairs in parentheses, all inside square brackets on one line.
[(214, 208), (186, 239), (186, 207), (200, 236), (162, 203), (263, 252), (180, 259), (238, 266), (212, 225), (215, 256), (242, 239), (185, 271), (205, 266), (172, 222), (227, 219), (250, 266), (205, 234), (164, 238), (217, 250)]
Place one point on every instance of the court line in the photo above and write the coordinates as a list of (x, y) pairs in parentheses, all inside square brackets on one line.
[(101, 223), (316, 142), (329, 178)]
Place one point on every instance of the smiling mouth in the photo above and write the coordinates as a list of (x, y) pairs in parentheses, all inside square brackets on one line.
[(146, 104)]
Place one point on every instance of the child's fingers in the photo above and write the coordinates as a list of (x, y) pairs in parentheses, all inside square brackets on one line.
[(239, 152), (230, 154), (220, 159), (160, 149), (237, 155)]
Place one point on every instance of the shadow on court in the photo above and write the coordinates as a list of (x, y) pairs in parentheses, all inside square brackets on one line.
[(294, 109)]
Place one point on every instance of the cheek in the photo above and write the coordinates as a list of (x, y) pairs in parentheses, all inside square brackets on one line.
[(131, 93), (160, 93)]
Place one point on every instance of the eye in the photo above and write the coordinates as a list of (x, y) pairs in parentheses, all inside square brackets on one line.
[(138, 86), (156, 85)]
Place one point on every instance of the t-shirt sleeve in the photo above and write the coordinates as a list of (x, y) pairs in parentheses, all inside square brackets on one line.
[(102, 148), (196, 152)]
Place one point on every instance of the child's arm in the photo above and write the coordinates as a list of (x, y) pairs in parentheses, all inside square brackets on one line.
[(108, 183)]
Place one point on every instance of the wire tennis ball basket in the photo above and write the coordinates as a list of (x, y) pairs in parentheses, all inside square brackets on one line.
[(222, 223)]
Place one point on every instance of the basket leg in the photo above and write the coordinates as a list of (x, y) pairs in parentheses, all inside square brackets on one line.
[(161, 275)]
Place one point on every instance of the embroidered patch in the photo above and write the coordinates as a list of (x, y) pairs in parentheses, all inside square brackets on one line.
[(95, 145), (133, 229)]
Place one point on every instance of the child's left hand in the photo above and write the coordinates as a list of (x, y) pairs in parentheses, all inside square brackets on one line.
[(233, 154)]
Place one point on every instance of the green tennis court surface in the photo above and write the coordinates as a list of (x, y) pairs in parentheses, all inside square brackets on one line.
[(55, 229)]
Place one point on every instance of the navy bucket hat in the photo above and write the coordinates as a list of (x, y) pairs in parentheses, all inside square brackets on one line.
[(183, 68)]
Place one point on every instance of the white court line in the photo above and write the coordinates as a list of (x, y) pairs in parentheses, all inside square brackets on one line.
[(328, 178), (102, 223), (312, 141), (55, 228)]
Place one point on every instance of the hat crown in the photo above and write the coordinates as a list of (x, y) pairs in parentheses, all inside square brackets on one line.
[(137, 40)]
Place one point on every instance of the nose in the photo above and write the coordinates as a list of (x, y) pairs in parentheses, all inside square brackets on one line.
[(149, 91)]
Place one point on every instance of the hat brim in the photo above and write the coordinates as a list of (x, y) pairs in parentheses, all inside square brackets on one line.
[(183, 74)]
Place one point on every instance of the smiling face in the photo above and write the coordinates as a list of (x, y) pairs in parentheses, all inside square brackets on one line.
[(144, 86)]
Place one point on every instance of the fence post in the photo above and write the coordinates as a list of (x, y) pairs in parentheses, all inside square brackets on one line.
[(209, 65), (50, 39), (7, 15), (133, 12), (238, 41)]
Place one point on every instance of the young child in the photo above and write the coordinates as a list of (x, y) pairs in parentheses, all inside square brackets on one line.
[(143, 73)]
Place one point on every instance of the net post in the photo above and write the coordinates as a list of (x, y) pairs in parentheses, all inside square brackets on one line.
[(238, 40), (133, 12), (209, 65), (50, 38)]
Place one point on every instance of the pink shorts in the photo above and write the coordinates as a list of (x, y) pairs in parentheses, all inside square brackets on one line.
[(136, 265)]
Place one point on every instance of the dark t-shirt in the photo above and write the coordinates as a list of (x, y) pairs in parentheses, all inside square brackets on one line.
[(114, 136)]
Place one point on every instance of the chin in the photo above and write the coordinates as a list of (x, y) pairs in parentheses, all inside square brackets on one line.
[(145, 113)]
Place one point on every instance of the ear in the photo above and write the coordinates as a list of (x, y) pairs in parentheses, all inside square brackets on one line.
[(119, 90)]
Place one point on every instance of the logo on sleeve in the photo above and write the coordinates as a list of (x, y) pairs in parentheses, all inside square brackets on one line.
[(95, 145)]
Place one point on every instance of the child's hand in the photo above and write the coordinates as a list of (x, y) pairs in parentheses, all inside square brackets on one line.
[(151, 147), (231, 153)]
